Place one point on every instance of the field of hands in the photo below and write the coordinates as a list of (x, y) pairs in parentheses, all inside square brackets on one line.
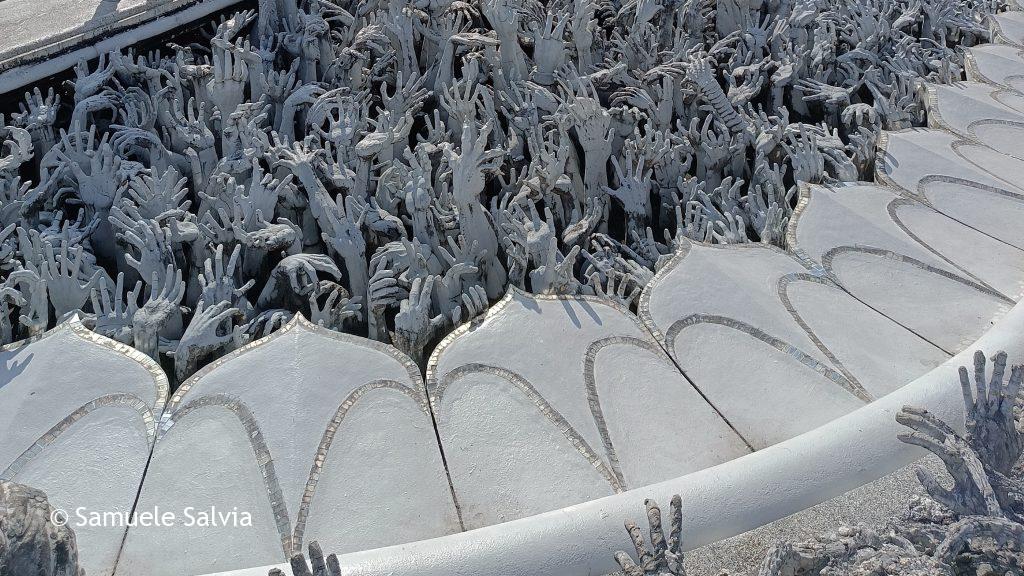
[(389, 169)]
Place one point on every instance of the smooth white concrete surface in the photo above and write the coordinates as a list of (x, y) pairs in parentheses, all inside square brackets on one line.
[(78, 415), (907, 260), (1009, 27), (910, 158), (319, 435), (996, 64), (722, 312), (881, 354), (1000, 266), (1002, 136), (956, 106), (718, 502), (547, 402), (993, 211)]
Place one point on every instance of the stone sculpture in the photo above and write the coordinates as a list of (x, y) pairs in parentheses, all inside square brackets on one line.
[(316, 566), (31, 544), (389, 169), (973, 528)]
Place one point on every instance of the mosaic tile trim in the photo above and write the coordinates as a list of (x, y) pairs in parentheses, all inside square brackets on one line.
[(893, 208), (854, 386), (75, 326), (594, 401), (974, 71), (888, 254), (800, 356), (260, 449), (556, 418), (328, 438), (901, 199), (130, 400), (921, 194)]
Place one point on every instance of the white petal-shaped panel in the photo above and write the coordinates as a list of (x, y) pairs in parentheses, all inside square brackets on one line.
[(1009, 27), (303, 408), (547, 402), (996, 64), (957, 107), (912, 158), (723, 313), (78, 416), (993, 211), (876, 245)]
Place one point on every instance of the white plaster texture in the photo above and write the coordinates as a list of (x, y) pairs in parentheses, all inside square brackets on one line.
[(311, 431), (548, 401), (77, 417)]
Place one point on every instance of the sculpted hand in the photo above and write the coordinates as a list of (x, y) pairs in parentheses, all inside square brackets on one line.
[(414, 327), (160, 310), (210, 330), (115, 311)]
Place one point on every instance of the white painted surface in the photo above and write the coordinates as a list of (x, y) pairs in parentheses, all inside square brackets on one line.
[(1002, 136), (47, 380), (957, 107), (93, 468), (946, 311), (94, 462), (768, 395), (929, 262), (913, 157), (718, 502), (718, 309), (997, 64), (879, 352), (1010, 26), (994, 211), (298, 385), (508, 453), (987, 259), (383, 481), (859, 215), (203, 462)]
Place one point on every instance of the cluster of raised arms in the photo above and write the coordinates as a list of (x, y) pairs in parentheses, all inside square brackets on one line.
[(389, 168), (973, 528)]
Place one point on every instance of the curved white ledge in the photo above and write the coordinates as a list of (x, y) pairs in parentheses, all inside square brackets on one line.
[(718, 502)]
